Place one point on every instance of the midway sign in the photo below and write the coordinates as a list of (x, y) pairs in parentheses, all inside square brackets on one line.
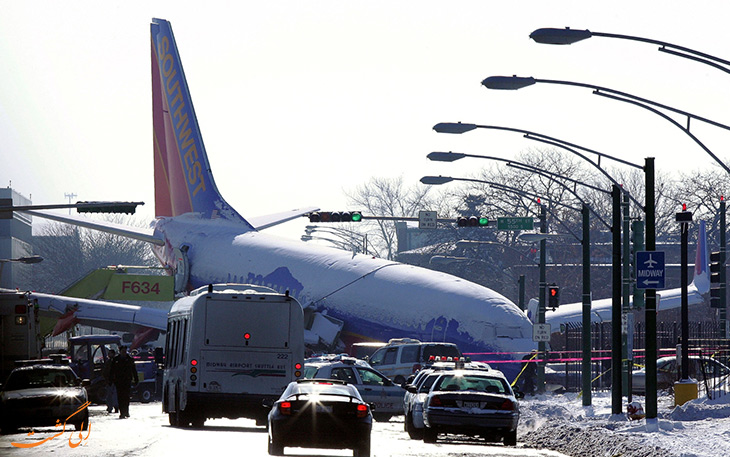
[(650, 270)]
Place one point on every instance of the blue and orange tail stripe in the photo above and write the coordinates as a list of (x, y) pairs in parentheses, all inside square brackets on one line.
[(183, 180)]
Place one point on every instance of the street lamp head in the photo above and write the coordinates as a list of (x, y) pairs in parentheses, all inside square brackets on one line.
[(508, 82), (559, 36), (31, 259), (436, 180), (453, 127), (445, 156)]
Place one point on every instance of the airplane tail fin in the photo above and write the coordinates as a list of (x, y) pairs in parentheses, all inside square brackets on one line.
[(183, 179), (702, 275)]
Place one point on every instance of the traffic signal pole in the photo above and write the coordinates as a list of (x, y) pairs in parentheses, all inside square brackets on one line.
[(586, 332), (650, 310), (616, 391)]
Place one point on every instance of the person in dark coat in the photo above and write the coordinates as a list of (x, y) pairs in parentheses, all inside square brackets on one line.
[(111, 390), (123, 375)]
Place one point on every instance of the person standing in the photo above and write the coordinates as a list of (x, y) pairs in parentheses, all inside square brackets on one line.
[(111, 390), (124, 375)]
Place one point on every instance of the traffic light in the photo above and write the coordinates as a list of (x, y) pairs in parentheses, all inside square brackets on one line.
[(553, 296), (472, 221), (335, 216), (106, 207), (717, 280)]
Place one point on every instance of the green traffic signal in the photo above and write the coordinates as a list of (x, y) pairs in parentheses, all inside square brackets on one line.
[(356, 216), (483, 221)]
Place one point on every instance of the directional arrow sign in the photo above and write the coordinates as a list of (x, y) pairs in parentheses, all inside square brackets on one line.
[(650, 270)]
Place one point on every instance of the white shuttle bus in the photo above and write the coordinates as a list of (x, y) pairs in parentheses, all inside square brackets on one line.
[(230, 349)]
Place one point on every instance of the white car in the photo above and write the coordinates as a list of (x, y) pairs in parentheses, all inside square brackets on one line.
[(417, 391), (472, 402), (374, 387)]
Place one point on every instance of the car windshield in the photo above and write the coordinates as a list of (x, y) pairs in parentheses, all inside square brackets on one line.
[(321, 388), (38, 378), (475, 383)]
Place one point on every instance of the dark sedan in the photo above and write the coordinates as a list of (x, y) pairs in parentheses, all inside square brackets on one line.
[(470, 402), (43, 395), (320, 413)]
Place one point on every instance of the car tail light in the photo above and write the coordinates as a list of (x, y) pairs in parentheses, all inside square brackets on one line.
[(435, 401), (362, 410), (507, 405), (285, 408)]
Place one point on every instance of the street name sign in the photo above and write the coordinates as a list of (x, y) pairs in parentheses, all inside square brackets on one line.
[(427, 219), (515, 223), (650, 270)]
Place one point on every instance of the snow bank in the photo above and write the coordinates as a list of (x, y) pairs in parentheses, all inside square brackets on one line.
[(699, 428)]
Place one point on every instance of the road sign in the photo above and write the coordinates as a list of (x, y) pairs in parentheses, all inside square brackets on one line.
[(515, 223), (650, 270), (541, 332), (427, 219)]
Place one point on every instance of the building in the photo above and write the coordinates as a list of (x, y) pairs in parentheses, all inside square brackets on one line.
[(15, 241)]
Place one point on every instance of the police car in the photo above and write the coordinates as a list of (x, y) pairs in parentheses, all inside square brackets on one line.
[(374, 387)]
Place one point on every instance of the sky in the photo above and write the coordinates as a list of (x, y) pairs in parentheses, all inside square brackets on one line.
[(301, 102)]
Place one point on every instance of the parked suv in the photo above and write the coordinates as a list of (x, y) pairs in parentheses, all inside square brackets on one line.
[(403, 357)]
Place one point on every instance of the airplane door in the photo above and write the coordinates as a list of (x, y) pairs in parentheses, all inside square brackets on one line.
[(438, 332)]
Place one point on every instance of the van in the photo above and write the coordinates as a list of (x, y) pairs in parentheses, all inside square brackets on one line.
[(402, 357)]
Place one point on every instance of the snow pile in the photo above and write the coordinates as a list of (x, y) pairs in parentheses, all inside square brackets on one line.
[(560, 422)]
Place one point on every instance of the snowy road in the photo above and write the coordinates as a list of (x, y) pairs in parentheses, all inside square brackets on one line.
[(147, 433)]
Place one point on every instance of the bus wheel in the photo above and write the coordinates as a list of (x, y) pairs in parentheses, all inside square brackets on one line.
[(198, 422), (173, 419)]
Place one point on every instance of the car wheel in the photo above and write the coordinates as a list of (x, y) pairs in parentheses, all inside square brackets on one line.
[(198, 422), (84, 420), (275, 447), (413, 432), (510, 438), (363, 450), (145, 395), (7, 429), (429, 435)]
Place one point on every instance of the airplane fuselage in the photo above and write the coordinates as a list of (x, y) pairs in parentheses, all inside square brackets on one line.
[(377, 299)]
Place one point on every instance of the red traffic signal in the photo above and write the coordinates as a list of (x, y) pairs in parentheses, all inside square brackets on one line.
[(553, 296)]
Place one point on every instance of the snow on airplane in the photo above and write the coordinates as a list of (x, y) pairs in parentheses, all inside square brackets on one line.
[(203, 240), (667, 299)]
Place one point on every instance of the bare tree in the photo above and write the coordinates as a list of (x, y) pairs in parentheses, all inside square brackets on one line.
[(70, 252), (389, 197)]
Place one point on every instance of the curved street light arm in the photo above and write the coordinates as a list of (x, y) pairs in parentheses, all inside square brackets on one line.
[(605, 173), (548, 174), (675, 123), (633, 97), (681, 51)]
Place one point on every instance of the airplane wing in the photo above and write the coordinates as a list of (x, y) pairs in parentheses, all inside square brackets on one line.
[(138, 233), (270, 220), (146, 323)]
